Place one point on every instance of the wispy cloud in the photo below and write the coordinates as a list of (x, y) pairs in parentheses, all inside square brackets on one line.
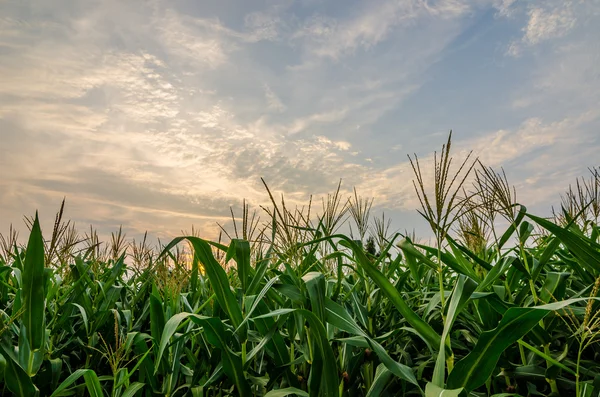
[(545, 23), (265, 25), (273, 101), (163, 114), (197, 40), (504, 7), (329, 37), (543, 148)]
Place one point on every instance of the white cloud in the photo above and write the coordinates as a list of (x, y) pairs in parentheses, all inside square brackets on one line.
[(339, 145), (273, 101), (330, 38), (567, 78), (326, 117), (155, 116), (200, 41), (449, 8), (264, 25), (545, 23), (504, 7), (155, 138), (551, 141)]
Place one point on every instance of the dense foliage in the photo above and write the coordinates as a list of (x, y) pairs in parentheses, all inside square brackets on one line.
[(290, 307)]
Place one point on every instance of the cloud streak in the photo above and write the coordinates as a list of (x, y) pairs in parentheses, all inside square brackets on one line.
[(165, 115)]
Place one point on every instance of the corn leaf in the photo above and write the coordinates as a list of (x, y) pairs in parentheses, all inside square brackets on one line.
[(34, 304)]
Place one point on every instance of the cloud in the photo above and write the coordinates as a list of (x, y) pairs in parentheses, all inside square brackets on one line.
[(264, 25), (162, 116), (533, 134), (273, 101), (565, 77), (208, 41), (505, 7), (197, 40), (326, 117), (449, 8), (329, 38), (539, 149), (339, 145), (545, 23)]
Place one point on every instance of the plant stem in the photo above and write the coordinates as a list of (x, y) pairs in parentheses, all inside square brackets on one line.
[(441, 277), (577, 386), (244, 352)]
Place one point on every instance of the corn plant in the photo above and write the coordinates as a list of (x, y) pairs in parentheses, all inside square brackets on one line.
[(287, 305)]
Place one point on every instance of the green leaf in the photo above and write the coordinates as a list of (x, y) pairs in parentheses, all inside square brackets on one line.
[(358, 341), (382, 378), (232, 363), (554, 287), (547, 357), (69, 381), (29, 360), (455, 264), (132, 389), (83, 316), (409, 249), (496, 272), (315, 285), (215, 332), (195, 275), (290, 291), (16, 378), (473, 370), (157, 315), (268, 326), (359, 309), (545, 257), (513, 226), (139, 360), (432, 390), (241, 254), (460, 296), (411, 259), (469, 253), (339, 317), (387, 288), (525, 230), (168, 331), (261, 269), (324, 364), (286, 392), (586, 251), (56, 365), (33, 288), (217, 276), (258, 300), (93, 384)]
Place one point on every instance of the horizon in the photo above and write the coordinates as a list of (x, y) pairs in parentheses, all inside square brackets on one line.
[(161, 115)]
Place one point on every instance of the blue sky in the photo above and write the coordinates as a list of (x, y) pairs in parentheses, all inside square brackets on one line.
[(161, 114)]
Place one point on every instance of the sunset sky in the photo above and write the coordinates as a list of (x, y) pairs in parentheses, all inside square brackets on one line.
[(161, 114)]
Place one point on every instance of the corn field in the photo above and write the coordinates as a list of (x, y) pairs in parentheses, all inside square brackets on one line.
[(291, 306)]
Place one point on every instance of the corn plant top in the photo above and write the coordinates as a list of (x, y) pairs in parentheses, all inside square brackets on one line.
[(291, 307)]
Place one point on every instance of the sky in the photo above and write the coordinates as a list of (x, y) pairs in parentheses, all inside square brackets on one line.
[(158, 115)]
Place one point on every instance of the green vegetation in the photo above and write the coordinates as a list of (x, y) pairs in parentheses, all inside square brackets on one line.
[(292, 307)]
